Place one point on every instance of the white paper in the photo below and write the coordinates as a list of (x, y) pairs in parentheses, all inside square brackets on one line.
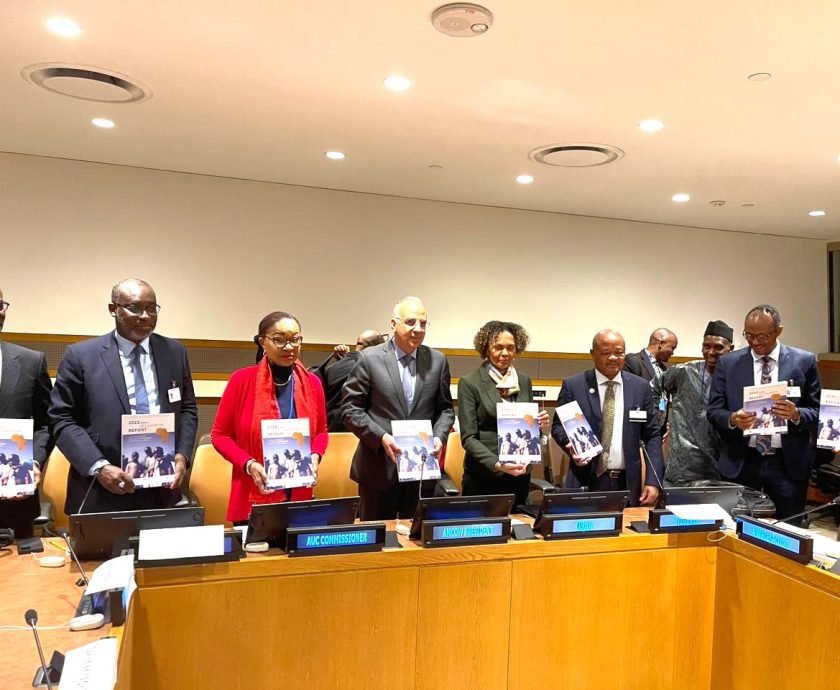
[(181, 542), (113, 574), (823, 546), (519, 433), (91, 667), (699, 511)]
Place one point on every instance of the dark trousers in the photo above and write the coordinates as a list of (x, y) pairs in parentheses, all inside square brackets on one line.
[(768, 473), (479, 485), (607, 483), (400, 500), (18, 515)]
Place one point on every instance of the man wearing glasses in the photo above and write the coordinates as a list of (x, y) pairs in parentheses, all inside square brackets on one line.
[(400, 379), (24, 394), (130, 370), (778, 464)]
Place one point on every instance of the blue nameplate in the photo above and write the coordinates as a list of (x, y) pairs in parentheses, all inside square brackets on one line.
[(665, 522), (794, 546), (317, 541), (465, 532), (574, 525)]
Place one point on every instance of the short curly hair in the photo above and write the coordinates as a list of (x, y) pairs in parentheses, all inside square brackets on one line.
[(491, 330)]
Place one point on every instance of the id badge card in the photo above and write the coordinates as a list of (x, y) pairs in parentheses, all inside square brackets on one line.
[(638, 415), (174, 394)]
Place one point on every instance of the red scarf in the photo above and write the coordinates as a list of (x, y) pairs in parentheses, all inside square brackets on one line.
[(265, 407)]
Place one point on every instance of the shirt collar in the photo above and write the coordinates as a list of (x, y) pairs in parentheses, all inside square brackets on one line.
[(401, 354), (774, 355), (127, 347), (601, 379)]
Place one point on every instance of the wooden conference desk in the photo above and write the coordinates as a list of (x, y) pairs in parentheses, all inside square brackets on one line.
[(637, 611)]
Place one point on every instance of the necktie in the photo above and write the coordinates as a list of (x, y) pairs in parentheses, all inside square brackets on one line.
[(608, 414), (764, 443), (141, 395), (408, 388)]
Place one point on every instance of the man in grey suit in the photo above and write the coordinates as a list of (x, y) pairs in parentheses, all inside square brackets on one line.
[(24, 394), (400, 379)]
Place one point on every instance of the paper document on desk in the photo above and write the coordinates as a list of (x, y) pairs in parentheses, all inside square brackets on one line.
[(181, 542), (92, 667), (113, 574), (823, 546), (759, 400), (17, 471), (519, 433), (699, 511)]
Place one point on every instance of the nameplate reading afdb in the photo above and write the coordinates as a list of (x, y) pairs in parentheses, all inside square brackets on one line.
[(465, 532), (797, 547), (318, 541), (578, 525), (665, 522)]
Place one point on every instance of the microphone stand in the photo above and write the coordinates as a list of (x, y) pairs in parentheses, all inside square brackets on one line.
[(46, 674), (831, 503)]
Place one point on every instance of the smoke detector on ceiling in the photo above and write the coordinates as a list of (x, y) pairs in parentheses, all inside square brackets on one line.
[(86, 83), (576, 155), (462, 19)]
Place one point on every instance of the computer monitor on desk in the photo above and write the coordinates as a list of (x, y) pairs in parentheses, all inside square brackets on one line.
[(99, 536), (460, 508), (270, 521), (575, 501), (725, 496)]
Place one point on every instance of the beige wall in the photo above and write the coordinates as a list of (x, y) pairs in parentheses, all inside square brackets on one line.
[(221, 253)]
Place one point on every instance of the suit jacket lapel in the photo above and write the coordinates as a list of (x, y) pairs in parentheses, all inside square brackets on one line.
[(647, 365), (390, 358), (594, 401), (163, 372), (8, 377), (111, 358), (424, 363), (784, 364)]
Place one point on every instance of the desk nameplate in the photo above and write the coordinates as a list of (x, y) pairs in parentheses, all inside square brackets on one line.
[(578, 525), (465, 532), (665, 522), (316, 541), (797, 547)]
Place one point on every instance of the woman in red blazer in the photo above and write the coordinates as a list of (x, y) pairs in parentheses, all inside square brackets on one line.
[(278, 387)]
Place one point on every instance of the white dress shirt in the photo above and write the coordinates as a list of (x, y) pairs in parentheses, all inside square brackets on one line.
[(616, 457), (126, 348)]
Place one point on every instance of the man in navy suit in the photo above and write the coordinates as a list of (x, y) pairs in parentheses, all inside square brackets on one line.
[(607, 393), (779, 465), (128, 371)]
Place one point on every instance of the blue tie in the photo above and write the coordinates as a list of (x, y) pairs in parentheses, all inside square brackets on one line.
[(141, 395), (408, 389)]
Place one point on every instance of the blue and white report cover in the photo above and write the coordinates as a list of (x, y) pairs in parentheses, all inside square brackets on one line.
[(148, 449), (759, 400), (17, 470), (519, 433), (287, 456), (415, 440)]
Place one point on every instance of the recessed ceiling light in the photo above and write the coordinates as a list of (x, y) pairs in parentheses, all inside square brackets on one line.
[(651, 125), (63, 26), (335, 155), (816, 214), (103, 122), (760, 76), (397, 82), (680, 198), (748, 205), (524, 179)]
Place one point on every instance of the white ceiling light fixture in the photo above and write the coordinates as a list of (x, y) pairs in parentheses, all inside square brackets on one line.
[(103, 123), (816, 214), (524, 179), (651, 125), (760, 76), (63, 27), (397, 83), (681, 198), (576, 155), (335, 155), (462, 20), (86, 83)]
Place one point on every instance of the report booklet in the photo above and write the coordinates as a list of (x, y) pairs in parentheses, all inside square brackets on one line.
[(286, 454), (148, 448), (585, 443), (519, 433), (17, 471), (760, 399), (416, 441), (828, 429)]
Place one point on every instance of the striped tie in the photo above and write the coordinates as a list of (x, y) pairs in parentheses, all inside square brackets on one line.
[(606, 428)]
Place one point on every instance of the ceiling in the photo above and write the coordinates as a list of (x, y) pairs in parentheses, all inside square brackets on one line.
[(260, 90)]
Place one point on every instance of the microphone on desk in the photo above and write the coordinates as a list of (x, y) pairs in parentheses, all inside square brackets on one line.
[(83, 580), (832, 502), (31, 617)]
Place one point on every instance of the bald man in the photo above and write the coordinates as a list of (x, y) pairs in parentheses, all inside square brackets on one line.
[(603, 393), (652, 362), (400, 379)]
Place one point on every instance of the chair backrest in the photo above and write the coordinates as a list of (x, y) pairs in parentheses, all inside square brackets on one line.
[(54, 487), (210, 479), (334, 469), (453, 461)]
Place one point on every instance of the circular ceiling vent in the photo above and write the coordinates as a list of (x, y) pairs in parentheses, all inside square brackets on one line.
[(462, 19), (86, 83), (576, 155)]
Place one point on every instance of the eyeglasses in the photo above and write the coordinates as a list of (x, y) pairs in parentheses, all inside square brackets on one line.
[(140, 309), (413, 323), (4, 306), (758, 337), (280, 343)]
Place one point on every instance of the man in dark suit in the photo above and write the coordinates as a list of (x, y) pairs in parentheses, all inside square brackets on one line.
[(24, 394), (780, 464), (652, 362), (400, 379), (128, 371), (619, 407)]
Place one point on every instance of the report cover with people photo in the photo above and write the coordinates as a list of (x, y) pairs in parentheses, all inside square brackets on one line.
[(287, 457), (148, 449), (415, 440), (17, 471), (828, 429), (759, 400), (585, 443), (519, 433)]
